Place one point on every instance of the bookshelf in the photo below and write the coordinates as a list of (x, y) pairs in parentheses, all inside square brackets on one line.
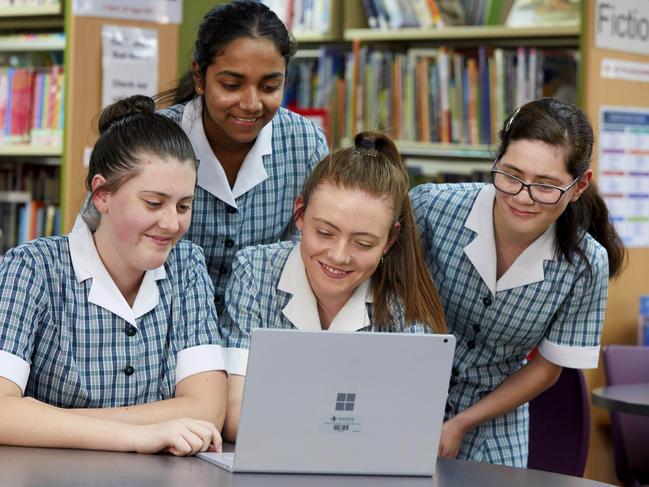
[(31, 48), (356, 101)]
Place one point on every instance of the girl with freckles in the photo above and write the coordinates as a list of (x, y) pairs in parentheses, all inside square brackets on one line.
[(254, 155), (108, 336), (356, 266)]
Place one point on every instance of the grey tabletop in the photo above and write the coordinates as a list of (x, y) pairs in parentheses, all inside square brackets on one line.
[(623, 398), (44, 467)]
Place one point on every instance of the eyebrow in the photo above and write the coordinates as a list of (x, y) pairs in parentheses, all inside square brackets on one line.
[(327, 222), (234, 74), (165, 195), (538, 176)]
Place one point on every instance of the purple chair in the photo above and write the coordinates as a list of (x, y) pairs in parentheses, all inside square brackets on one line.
[(560, 426), (626, 364)]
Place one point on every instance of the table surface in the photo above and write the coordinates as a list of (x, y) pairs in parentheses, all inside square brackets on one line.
[(45, 467), (623, 398)]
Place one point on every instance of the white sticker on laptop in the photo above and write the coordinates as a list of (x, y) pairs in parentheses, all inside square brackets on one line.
[(343, 418)]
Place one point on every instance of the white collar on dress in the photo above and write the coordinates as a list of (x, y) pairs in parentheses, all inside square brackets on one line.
[(104, 292), (302, 309), (211, 176), (526, 269)]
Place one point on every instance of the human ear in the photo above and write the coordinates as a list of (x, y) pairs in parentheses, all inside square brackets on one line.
[(99, 197), (394, 234), (298, 212), (582, 185), (199, 82)]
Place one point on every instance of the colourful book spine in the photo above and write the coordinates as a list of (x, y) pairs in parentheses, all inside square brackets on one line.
[(444, 97), (472, 79)]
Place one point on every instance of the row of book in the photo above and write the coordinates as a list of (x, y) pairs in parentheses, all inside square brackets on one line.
[(397, 14), (32, 105), (29, 196), (310, 16), (430, 94)]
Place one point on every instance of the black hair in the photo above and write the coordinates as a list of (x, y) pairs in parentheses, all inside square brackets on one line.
[(129, 129), (564, 125), (222, 25)]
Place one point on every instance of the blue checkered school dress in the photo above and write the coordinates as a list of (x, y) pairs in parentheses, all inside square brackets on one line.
[(254, 301), (562, 313), (80, 355), (263, 214)]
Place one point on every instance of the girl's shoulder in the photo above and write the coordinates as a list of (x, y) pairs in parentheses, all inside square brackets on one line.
[(174, 112), (265, 258), (288, 124), (48, 257), (456, 198)]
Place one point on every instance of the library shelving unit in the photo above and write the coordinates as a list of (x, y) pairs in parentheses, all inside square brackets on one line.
[(427, 156), (25, 30)]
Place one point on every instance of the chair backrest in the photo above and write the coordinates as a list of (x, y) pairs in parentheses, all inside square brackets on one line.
[(560, 426), (627, 364)]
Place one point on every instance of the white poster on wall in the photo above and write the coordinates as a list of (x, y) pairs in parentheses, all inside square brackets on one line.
[(129, 62), (622, 25), (624, 170), (159, 11)]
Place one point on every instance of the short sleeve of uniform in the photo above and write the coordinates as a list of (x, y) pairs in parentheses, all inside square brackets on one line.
[(242, 314), (22, 302), (574, 337), (421, 201), (202, 351)]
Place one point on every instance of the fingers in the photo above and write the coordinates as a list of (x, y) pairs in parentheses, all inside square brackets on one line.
[(196, 436)]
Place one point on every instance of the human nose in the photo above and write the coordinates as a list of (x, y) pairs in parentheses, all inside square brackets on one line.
[(169, 221), (524, 196), (250, 100), (339, 253)]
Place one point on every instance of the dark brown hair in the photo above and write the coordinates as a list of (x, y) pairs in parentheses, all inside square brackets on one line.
[(129, 129), (564, 125), (374, 165), (222, 25)]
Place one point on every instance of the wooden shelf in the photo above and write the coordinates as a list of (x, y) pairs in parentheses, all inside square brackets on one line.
[(30, 150), (21, 43), (28, 11), (15, 197), (463, 33), (435, 149), (315, 37)]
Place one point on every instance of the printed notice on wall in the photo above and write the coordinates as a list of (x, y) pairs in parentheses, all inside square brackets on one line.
[(622, 25), (129, 62), (159, 11), (624, 171)]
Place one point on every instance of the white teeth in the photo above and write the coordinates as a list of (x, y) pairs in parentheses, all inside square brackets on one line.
[(245, 119), (333, 270)]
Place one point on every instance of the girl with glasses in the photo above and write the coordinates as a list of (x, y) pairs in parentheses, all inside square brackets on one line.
[(519, 264)]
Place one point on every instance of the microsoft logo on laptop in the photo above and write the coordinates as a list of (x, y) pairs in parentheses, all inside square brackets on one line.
[(345, 401)]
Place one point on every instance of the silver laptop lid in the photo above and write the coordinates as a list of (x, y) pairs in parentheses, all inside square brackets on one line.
[(341, 402)]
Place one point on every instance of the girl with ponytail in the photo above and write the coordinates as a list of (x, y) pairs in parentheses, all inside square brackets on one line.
[(520, 263), (357, 266)]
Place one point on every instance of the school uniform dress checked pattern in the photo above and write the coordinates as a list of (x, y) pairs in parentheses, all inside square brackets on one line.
[(77, 354), (263, 213), (254, 300), (562, 313)]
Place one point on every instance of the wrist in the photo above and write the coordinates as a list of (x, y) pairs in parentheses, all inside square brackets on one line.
[(463, 421)]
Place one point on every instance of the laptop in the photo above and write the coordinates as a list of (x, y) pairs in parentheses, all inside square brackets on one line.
[(341, 403)]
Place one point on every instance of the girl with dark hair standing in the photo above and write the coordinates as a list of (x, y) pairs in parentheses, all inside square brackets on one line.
[(254, 156), (520, 263), (108, 336), (358, 264)]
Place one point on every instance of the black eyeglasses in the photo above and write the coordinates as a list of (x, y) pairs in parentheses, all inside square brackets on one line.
[(546, 194)]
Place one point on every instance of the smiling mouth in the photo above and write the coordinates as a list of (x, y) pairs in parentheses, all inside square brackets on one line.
[(333, 271), (523, 213), (245, 120), (161, 240)]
